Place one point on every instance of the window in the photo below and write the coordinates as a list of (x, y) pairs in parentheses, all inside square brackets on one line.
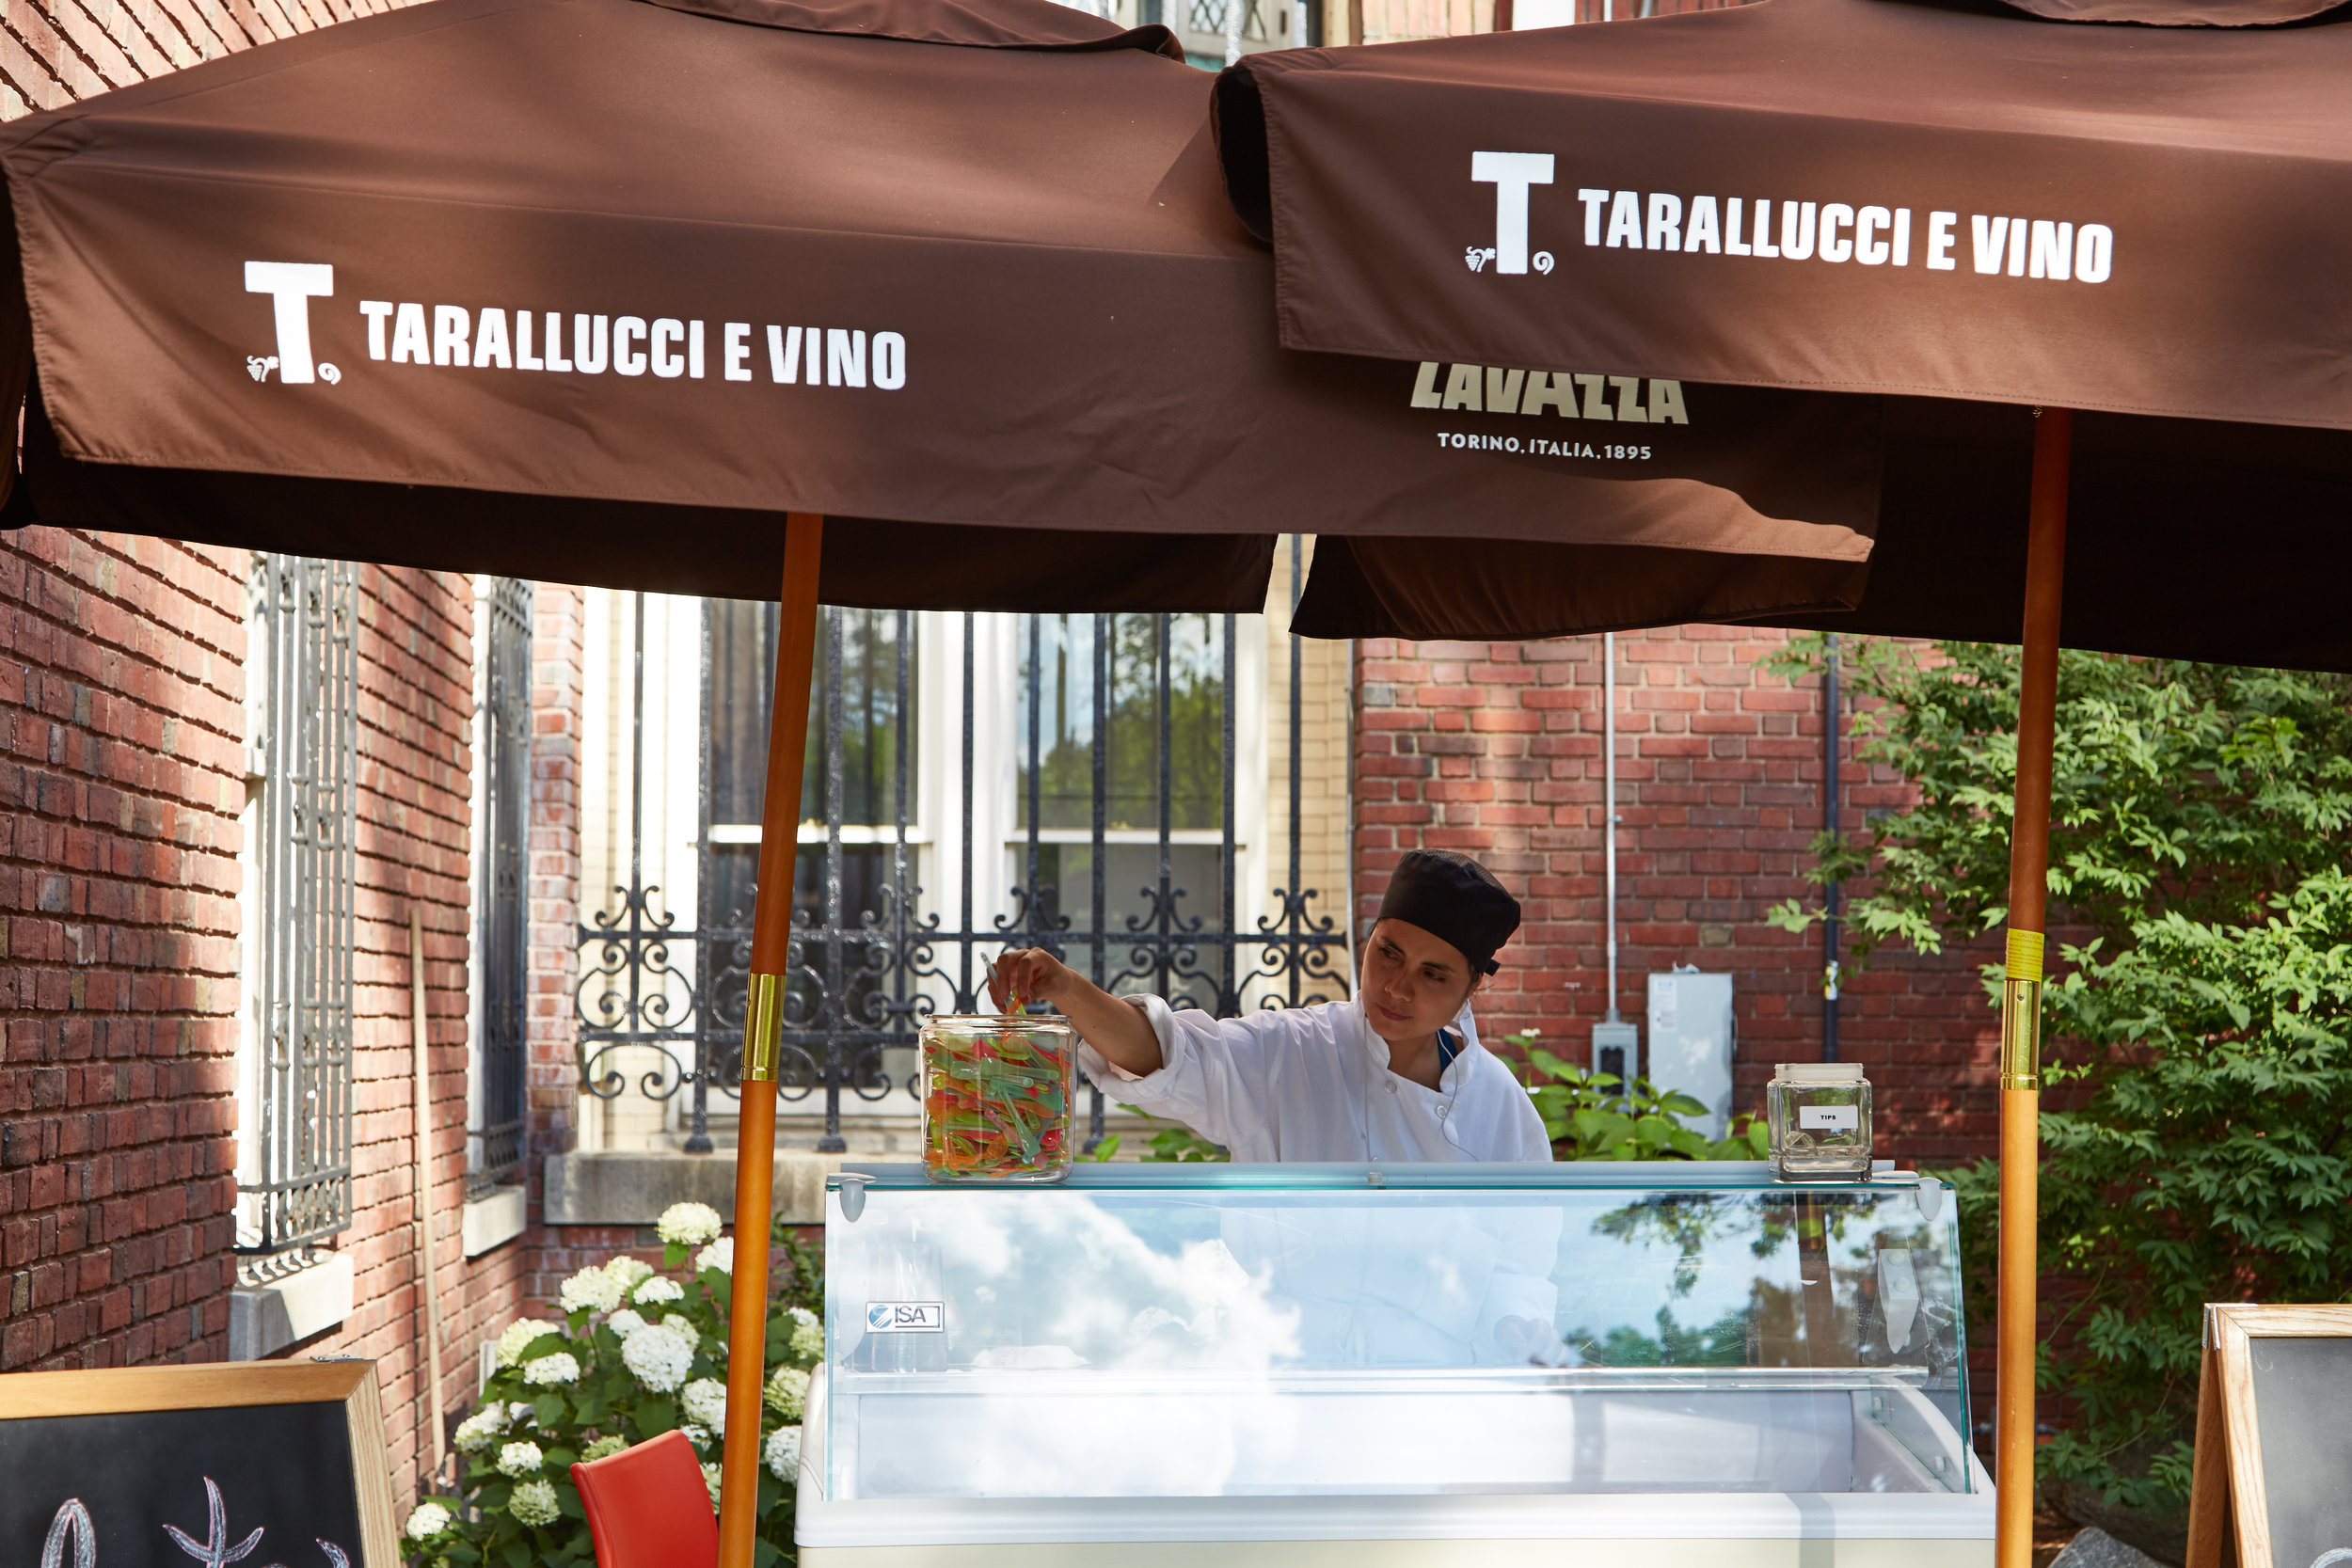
[(1101, 785), (1157, 790), (856, 794), (294, 1138), (501, 816)]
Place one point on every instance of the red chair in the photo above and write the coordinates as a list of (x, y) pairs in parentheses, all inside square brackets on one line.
[(647, 1506)]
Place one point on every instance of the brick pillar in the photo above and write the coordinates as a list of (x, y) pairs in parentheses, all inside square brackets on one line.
[(123, 776), (558, 659)]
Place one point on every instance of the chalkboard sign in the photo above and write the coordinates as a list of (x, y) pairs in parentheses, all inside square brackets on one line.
[(2273, 1483), (263, 1464)]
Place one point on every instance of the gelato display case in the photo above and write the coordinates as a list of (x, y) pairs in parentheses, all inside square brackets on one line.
[(1600, 1364)]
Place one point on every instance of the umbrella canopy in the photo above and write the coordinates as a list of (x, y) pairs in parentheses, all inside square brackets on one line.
[(600, 289), (1953, 204), (1926, 202)]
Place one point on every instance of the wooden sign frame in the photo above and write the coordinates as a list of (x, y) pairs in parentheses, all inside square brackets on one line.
[(228, 1384), (2229, 1515)]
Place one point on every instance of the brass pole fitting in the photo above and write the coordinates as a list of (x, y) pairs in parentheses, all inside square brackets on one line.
[(763, 1024), (2021, 1013)]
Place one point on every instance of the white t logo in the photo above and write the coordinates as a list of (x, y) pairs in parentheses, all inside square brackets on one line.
[(292, 285), (1510, 174)]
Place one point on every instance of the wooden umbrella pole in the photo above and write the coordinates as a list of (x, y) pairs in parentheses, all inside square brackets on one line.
[(755, 1141), (2017, 1332)]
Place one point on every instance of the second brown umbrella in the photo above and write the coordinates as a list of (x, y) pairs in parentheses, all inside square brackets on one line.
[(1929, 201)]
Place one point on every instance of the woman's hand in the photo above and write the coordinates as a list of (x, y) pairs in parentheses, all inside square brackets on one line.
[(1119, 1031), (1033, 974)]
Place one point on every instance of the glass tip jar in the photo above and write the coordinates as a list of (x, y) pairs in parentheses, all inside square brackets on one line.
[(1820, 1115), (997, 1096)]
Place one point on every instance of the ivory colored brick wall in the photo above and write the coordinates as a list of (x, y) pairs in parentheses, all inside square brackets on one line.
[(1323, 741), (120, 778), (1495, 750)]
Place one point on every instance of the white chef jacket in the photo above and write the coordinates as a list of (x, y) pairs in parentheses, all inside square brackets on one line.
[(1314, 1083)]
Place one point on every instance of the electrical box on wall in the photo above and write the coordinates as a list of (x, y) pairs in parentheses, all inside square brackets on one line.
[(1618, 1051), (1690, 1042)]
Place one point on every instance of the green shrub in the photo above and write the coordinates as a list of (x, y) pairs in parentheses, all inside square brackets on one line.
[(636, 1353), (2195, 1146), (1171, 1145), (1593, 1116)]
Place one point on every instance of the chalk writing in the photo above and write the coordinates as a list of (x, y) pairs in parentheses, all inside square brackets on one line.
[(72, 1524), (72, 1519), (216, 1552)]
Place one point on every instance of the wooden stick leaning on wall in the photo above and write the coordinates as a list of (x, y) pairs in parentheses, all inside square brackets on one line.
[(772, 940), (2018, 1294), (426, 1281)]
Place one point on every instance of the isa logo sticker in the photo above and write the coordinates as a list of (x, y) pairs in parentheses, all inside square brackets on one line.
[(906, 1317)]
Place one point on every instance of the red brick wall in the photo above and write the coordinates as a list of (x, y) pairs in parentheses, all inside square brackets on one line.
[(123, 769), (63, 51), (415, 727), (558, 658), (1495, 750)]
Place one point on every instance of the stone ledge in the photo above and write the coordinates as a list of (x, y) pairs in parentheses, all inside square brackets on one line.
[(632, 1188), (493, 1219), (266, 1318)]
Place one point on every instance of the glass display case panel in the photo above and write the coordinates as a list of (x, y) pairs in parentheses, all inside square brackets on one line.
[(1328, 1329)]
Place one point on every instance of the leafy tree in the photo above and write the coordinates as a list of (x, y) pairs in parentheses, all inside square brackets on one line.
[(2197, 789), (2198, 1144)]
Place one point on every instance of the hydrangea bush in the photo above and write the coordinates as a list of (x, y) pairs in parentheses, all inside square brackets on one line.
[(636, 1353)]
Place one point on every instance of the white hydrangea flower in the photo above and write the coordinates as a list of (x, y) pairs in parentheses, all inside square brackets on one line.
[(809, 1334), (660, 1357), (603, 1448), (630, 1270), (688, 1224), (783, 1454), (533, 1504), (427, 1520), (698, 1435), (625, 1323), (563, 1366), (706, 1401), (710, 1481), (520, 1459), (590, 1291), (518, 1337), (718, 1255), (474, 1433), (522, 1413), (657, 1289), (787, 1392)]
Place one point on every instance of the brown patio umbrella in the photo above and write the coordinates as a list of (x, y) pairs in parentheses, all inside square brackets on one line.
[(1935, 201), (900, 303)]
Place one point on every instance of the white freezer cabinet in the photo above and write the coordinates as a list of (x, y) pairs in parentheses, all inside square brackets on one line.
[(1353, 1367)]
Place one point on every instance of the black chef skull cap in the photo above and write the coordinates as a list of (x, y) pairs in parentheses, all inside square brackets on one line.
[(1455, 899)]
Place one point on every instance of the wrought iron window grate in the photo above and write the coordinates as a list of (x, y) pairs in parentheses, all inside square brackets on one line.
[(493, 1145), (1124, 827), (1210, 16), (304, 746)]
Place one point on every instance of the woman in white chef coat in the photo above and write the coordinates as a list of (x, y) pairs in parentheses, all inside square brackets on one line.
[(1393, 1073)]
